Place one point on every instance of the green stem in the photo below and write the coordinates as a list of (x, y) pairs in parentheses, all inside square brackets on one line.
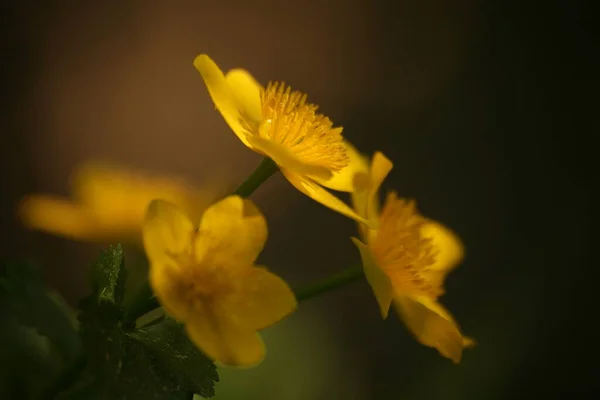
[(66, 377), (144, 301), (264, 171), (330, 283), (326, 285)]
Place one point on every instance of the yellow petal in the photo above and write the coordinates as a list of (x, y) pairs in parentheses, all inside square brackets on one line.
[(60, 217), (112, 194), (224, 341), (360, 202), (120, 197), (377, 278), (232, 232), (366, 188), (284, 158), (247, 93), (320, 195), (380, 168), (169, 288), (449, 245), (365, 197), (262, 299), (166, 232), (432, 325), (222, 95), (344, 180)]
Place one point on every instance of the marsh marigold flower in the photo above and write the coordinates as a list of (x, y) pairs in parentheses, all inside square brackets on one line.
[(205, 277), (109, 203), (406, 260), (279, 123)]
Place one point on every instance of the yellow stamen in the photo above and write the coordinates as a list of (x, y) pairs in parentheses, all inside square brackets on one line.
[(292, 122), (401, 250)]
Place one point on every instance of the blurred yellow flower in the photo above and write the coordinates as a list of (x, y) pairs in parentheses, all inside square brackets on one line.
[(406, 260), (108, 204), (280, 124), (205, 277)]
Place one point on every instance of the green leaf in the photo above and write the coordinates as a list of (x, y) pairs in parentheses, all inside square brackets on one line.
[(27, 361), (109, 275), (156, 362), (153, 362), (38, 336), (86, 389), (101, 315), (175, 358), (27, 300), (143, 377)]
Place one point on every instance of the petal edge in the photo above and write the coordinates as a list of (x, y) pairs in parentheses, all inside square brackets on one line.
[(222, 95)]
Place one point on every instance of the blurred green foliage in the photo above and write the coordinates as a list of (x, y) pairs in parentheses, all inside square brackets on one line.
[(46, 353)]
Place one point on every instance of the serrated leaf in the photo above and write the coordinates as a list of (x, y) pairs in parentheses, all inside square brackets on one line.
[(147, 364), (154, 362), (142, 376), (101, 315), (109, 275), (176, 358), (101, 312)]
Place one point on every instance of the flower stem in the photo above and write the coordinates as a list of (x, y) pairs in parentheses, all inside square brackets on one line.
[(333, 282), (264, 171), (143, 302)]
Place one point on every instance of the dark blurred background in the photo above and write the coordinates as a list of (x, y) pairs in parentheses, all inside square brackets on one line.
[(484, 106)]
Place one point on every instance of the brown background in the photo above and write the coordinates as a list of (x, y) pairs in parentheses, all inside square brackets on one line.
[(482, 105)]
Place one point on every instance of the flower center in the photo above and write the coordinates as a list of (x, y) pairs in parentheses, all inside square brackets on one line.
[(287, 119), (401, 250), (201, 283)]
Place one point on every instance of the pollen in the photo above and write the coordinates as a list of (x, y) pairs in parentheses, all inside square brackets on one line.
[(292, 122), (401, 250)]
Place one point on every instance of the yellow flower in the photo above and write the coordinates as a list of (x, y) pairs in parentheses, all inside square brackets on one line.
[(205, 277), (279, 123), (406, 260), (108, 204)]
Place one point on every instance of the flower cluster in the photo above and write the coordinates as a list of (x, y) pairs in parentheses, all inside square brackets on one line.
[(202, 250)]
